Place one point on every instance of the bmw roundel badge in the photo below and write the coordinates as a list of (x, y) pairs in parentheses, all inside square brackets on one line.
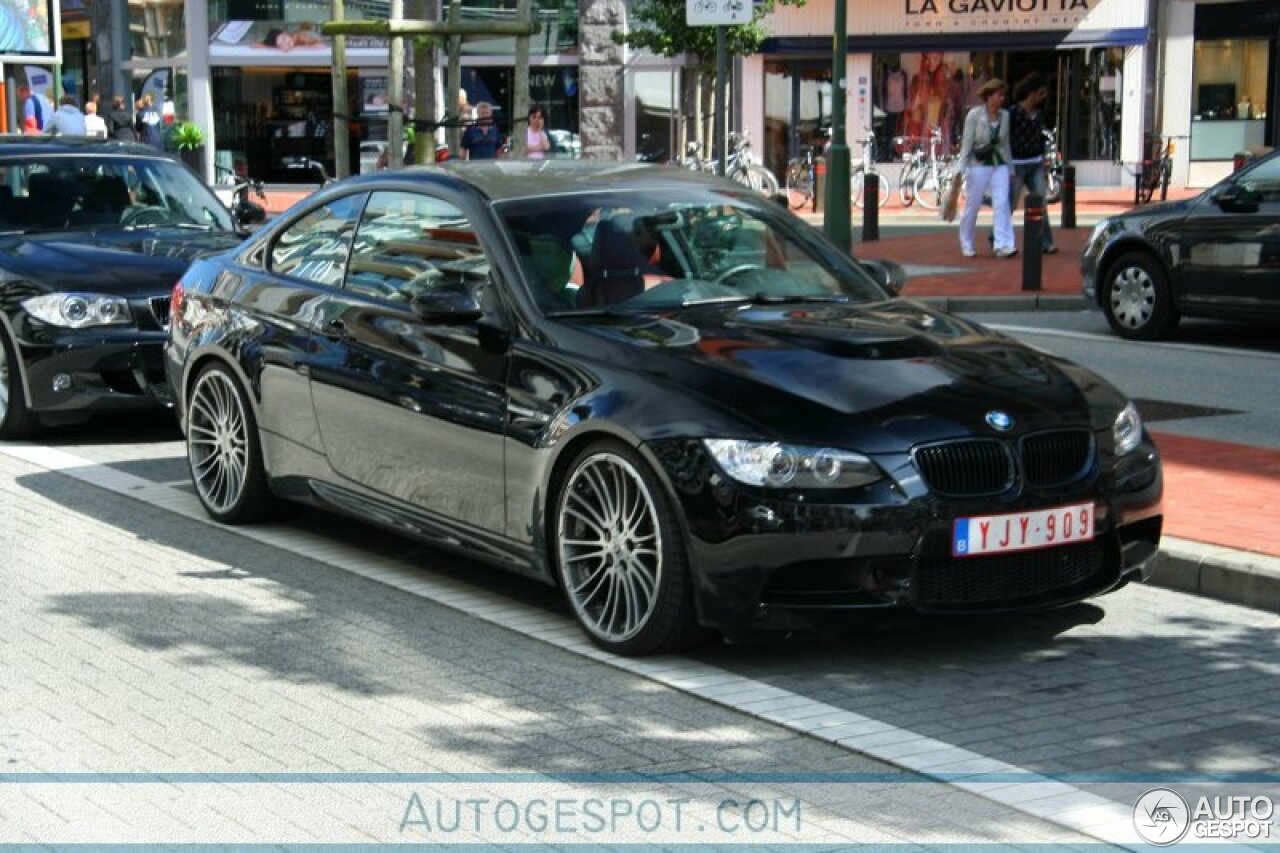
[(1000, 421)]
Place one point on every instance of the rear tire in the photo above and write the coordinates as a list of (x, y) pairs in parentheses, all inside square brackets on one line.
[(928, 189), (16, 418), (619, 554), (224, 451), (1137, 298)]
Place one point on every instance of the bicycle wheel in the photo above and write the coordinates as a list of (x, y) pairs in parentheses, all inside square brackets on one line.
[(1052, 188), (744, 175), (858, 182), (1148, 187), (928, 188), (906, 185), (799, 184), (768, 181)]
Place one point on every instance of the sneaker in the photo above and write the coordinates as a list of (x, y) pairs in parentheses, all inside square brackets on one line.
[(1050, 250), (969, 253), (1006, 253)]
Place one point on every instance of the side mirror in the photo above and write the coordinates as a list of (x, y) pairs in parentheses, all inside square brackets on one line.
[(246, 213), (450, 304), (891, 275), (1242, 197)]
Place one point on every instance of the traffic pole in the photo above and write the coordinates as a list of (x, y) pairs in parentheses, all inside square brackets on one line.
[(871, 208), (1032, 223), (1069, 196), (836, 222)]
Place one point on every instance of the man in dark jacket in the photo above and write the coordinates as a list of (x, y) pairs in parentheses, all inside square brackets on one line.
[(120, 121)]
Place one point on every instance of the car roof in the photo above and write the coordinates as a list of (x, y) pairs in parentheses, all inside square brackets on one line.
[(503, 180), (17, 145)]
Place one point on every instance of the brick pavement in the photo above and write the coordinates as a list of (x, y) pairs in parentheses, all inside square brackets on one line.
[(141, 641)]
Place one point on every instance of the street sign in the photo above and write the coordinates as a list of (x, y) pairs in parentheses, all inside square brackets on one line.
[(717, 13)]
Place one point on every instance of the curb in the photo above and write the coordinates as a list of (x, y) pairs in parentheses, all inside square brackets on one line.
[(1023, 302), (1223, 574)]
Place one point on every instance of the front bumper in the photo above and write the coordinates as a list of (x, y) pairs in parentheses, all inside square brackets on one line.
[(761, 561), (95, 371)]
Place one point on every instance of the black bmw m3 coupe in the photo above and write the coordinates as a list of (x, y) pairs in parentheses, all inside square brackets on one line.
[(656, 390)]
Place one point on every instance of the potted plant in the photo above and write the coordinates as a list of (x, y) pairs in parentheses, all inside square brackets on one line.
[(188, 138)]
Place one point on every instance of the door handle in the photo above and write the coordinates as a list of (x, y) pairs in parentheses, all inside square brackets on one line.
[(335, 330)]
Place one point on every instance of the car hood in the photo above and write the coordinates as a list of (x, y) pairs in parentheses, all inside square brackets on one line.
[(128, 263), (877, 377)]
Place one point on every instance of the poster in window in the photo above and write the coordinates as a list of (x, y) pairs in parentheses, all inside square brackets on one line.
[(30, 30)]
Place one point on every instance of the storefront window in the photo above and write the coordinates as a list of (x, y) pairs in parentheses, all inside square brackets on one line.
[(249, 29), (558, 20), (797, 109), (656, 110), (157, 28), (553, 89), (1228, 97)]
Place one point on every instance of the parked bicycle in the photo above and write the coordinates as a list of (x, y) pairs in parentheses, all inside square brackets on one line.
[(801, 179), (740, 164), (1052, 168), (914, 159), (1157, 168), (867, 166), (932, 182)]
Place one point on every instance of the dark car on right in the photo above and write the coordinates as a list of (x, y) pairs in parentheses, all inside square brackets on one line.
[(1216, 255)]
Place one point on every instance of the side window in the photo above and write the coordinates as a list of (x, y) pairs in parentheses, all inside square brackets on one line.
[(1265, 178), (408, 243), (316, 246)]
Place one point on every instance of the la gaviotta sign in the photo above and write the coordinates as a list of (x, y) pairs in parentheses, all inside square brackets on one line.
[(967, 16)]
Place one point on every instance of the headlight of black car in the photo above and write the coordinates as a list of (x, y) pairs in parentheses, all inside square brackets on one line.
[(79, 310), (1127, 430), (787, 466)]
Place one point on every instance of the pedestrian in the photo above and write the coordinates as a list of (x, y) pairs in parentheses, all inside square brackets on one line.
[(147, 123), (94, 124), (34, 106), (539, 143), (120, 121), (482, 141), (1026, 141), (985, 156), (67, 120)]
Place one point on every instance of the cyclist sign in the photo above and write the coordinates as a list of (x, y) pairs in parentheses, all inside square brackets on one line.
[(713, 13)]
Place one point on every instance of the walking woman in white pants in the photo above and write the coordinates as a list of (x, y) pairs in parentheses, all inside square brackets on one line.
[(985, 156)]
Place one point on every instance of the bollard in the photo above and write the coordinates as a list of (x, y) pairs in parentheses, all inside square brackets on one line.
[(1032, 221), (1069, 196), (871, 208), (820, 185)]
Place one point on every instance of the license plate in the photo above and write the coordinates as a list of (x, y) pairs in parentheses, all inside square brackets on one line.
[(1022, 531)]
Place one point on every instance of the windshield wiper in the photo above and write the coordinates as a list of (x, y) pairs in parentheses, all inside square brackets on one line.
[(186, 226)]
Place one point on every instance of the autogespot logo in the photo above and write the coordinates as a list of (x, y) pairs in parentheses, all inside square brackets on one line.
[(1161, 817)]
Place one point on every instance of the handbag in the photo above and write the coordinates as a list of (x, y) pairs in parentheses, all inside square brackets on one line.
[(951, 198)]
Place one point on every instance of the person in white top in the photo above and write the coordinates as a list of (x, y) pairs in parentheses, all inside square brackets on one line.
[(536, 134), (94, 124), (985, 155)]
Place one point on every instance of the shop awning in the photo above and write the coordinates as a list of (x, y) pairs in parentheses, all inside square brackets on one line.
[(1021, 40)]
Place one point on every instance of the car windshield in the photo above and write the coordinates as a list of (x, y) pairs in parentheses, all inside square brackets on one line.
[(96, 192), (663, 249)]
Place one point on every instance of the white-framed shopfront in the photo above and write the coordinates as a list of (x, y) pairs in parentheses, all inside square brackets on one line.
[(1105, 42)]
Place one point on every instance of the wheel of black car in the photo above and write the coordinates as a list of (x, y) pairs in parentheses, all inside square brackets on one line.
[(16, 420), (620, 554), (223, 449), (1137, 300)]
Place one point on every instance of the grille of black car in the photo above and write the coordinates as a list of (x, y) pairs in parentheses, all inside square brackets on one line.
[(980, 466), (160, 310), (1007, 579), (985, 466), (1056, 458)]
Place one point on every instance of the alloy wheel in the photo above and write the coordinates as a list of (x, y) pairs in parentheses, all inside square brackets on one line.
[(610, 547), (1133, 297), (218, 441)]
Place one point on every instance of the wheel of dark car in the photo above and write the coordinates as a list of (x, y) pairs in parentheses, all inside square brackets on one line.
[(620, 554), (16, 420), (1137, 299), (223, 449)]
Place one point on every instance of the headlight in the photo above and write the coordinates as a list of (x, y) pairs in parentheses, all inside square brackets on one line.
[(786, 466), (1127, 430), (79, 310)]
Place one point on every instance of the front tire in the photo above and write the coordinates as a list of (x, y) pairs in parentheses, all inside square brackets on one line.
[(1137, 298), (16, 418), (619, 554), (223, 449)]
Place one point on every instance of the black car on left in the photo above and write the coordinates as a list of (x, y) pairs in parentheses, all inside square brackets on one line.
[(93, 237)]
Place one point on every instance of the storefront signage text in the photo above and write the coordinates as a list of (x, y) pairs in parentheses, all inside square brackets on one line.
[(966, 7), (972, 16)]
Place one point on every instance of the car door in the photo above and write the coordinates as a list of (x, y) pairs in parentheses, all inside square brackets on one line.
[(411, 408), (1230, 246)]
